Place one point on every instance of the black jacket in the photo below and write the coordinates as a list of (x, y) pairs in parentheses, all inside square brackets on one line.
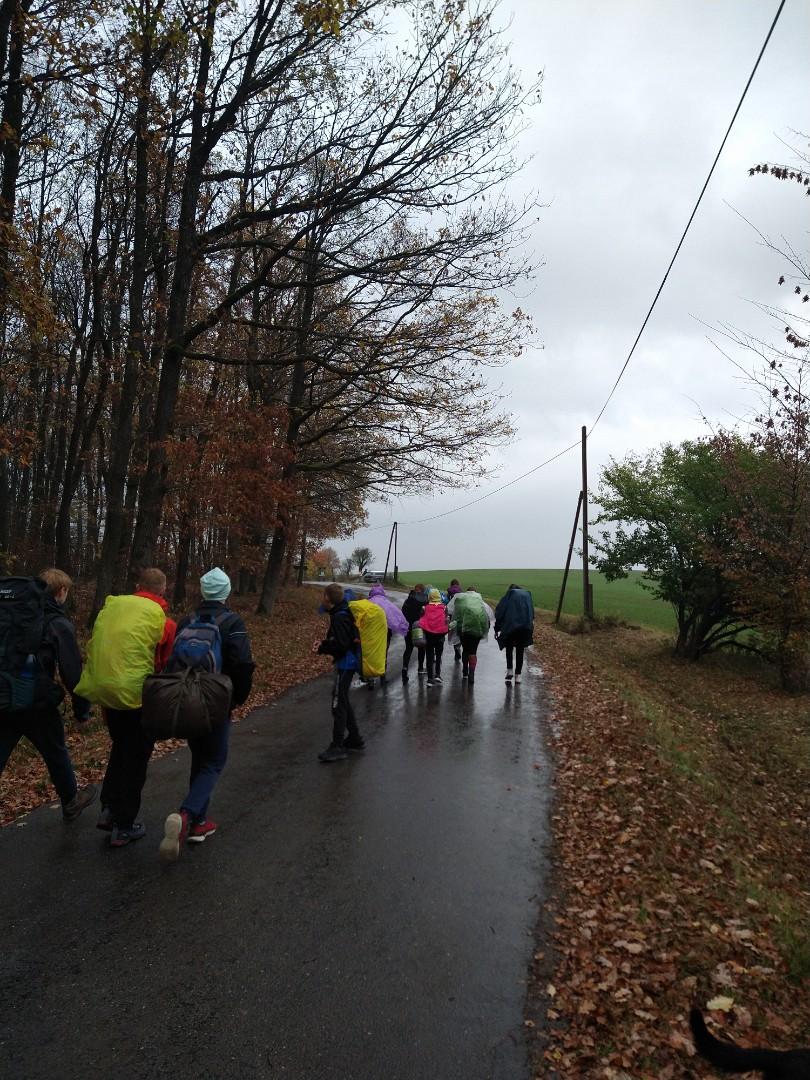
[(413, 607), (60, 650), (237, 658), (342, 638)]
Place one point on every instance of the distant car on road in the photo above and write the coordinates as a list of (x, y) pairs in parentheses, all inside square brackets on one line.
[(371, 577)]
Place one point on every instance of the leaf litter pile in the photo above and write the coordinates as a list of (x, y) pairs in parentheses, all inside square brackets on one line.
[(282, 651), (681, 859)]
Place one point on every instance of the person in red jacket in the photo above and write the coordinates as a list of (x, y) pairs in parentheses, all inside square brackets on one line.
[(434, 623), (152, 586)]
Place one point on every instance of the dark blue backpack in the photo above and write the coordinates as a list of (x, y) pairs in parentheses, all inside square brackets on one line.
[(24, 684), (199, 644)]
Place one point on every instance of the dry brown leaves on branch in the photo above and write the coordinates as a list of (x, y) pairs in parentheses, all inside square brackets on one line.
[(682, 849), (282, 651)]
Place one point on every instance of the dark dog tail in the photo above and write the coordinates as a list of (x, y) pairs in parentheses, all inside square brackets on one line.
[(728, 1056)]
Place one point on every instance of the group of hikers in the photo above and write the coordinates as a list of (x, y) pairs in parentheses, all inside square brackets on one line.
[(133, 640), (427, 618), (154, 678)]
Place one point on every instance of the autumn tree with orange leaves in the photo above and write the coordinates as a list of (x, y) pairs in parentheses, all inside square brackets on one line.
[(248, 275)]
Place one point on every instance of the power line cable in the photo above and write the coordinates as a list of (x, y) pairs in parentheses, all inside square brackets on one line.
[(691, 217), (554, 457)]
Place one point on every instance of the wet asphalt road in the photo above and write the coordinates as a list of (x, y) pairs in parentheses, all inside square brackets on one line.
[(366, 920)]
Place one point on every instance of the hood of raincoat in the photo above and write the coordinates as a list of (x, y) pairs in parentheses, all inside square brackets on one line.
[(397, 623)]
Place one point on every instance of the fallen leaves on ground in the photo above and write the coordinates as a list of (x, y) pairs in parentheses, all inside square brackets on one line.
[(681, 854), (282, 649)]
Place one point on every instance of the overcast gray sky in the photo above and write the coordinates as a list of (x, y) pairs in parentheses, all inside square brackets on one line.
[(637, 97)]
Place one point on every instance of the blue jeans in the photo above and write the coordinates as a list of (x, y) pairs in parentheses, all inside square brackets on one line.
[(208, 756), (46, 732)]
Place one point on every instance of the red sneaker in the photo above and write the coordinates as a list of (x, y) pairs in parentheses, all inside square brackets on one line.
[(175, 834), (200, 831)]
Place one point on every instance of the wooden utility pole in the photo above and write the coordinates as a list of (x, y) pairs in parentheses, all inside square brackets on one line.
[(388, 553), (587, 595), (568, 559), (396, 563)]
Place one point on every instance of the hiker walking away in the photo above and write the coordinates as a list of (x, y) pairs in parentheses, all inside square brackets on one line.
[(435, 625), (397, 623), (36, 639), (452, 590), (213, 638), (342, 643), (514, 627), (471, 618), (412, 609), (132, 638)]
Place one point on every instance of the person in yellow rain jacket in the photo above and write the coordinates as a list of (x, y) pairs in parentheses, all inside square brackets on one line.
[(132, 637)]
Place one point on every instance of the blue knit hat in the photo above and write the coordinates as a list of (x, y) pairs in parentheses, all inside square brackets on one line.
[(215, 585)]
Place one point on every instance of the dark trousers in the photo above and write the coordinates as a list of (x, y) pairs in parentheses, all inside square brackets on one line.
[(409, 647), (342, 711), (510, 649), (46, 732), (434, 646), (469, 647), (208, 756), (126, 769)]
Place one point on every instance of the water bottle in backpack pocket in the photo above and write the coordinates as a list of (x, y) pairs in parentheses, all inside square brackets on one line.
[(199, 644)]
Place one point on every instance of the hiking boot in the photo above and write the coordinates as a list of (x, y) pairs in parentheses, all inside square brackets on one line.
[(105, 820), (199, 832), (355, 746), (80, 801), (122, 835), (333, 753), (508, 674), (175, 833)]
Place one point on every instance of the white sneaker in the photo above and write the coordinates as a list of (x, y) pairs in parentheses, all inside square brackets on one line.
[(169, 849), (517, 678)]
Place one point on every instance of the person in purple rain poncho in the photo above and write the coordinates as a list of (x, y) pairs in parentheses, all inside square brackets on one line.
[(397, 623)]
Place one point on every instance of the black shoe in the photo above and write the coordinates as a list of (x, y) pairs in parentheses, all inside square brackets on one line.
[(465, 674), (105, 820), (471, 679), (333, 753), (355, 746), (404, 675), (121, 836), (80, 801)]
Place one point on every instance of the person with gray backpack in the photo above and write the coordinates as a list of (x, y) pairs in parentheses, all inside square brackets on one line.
[(212, 640)]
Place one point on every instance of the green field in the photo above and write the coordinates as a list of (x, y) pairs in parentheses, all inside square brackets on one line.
[(625, 599)]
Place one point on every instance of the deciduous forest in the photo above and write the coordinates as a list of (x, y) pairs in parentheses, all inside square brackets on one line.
[(253, 265)]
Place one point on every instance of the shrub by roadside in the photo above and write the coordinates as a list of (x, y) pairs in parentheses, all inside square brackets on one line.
[(281, 648), (682, 846)]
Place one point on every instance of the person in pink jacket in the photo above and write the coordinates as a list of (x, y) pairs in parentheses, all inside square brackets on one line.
[(434, 623)]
